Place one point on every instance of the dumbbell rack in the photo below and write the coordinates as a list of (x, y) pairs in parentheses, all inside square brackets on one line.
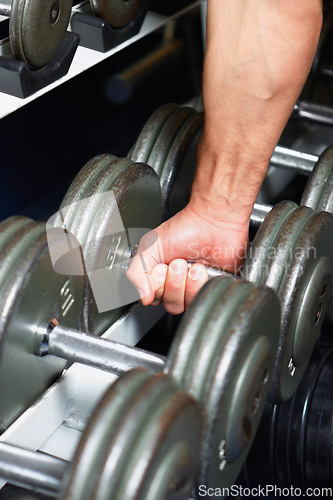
[(54, 423), (86, 58)]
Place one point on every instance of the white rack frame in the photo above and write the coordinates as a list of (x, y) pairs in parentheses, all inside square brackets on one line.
[(86, 58)]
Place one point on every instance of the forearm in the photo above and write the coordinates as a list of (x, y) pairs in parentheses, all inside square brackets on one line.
[(259, 53)]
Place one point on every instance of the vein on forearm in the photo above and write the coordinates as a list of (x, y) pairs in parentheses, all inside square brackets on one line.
[(259, 53)]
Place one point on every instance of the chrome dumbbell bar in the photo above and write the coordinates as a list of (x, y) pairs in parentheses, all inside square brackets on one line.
[(313, 112), (290, 159)]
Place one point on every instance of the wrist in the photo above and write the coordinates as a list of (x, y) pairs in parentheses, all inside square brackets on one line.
[(227, 183)]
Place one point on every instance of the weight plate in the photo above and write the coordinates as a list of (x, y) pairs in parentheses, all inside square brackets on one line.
[(304, 294), (78, 188), (177, 152), (166, 137), (9, 227), (31, 293), (277, 266), (107, 227), (223, 355), (319, 456), (280, 243), (255, 267), (85, 212), (138, 200), (140, 443), (37, 29), (318, 190), (117, 13), (299, 409), (293, 446), (259, 465), (141, 150)]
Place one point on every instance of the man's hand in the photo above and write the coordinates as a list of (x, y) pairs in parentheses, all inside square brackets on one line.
[(160, 271), (258, 56)]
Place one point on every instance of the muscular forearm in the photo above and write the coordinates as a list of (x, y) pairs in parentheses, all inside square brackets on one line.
[(259, 53)]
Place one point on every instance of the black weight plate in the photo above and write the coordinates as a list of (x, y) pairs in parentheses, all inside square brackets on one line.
[(293, 446), (318, 463)]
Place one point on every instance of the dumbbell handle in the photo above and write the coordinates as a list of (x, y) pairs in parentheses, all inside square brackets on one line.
[(290, 159), (104, 354), (5, 7), (293, 160), (31, 470), (313, 112)]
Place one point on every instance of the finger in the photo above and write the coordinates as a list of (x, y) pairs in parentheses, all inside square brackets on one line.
[(196, 278), (174, 288), (140, 269), (158, 276)]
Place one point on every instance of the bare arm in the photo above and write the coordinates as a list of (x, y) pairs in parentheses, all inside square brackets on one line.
[(259, 53)]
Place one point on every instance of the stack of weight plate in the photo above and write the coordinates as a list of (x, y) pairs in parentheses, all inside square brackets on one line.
[(225, 356)]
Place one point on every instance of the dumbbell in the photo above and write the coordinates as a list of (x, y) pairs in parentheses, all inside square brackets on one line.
[(140, 442), (291, 252), (110, 201), (223, 355), (36, 28), (117, 13), (293, 445)]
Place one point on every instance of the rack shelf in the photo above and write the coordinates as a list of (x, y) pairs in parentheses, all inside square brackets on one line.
[(87, 58)]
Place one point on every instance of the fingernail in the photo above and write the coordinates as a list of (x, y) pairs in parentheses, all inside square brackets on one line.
[(195, 273), (141, 293), (179, 267)]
